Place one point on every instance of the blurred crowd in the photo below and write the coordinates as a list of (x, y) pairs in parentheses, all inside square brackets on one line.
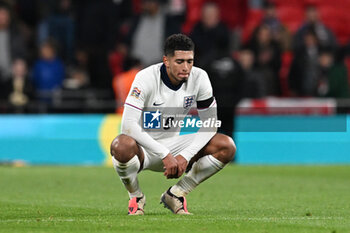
[(81, 56)]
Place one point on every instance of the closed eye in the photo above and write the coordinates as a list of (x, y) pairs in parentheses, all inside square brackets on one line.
[(180, 61)]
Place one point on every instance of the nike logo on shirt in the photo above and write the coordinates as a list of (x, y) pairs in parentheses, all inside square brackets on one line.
[(156, 104)]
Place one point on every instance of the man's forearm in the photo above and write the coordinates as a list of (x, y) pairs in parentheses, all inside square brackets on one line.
[(203, 135), (131, 127)]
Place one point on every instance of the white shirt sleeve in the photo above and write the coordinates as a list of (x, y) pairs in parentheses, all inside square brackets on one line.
[(205, 90), (132, 128), (203, 136), (134, 103), (138, 93)]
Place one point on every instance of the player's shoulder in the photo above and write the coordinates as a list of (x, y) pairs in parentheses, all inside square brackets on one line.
[(147, 77), (199, 73), (150, 72)]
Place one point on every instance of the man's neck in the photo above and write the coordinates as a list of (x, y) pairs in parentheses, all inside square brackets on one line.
[(171, 78)]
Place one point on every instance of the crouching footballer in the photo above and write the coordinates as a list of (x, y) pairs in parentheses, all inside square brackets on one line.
[(173, 84)]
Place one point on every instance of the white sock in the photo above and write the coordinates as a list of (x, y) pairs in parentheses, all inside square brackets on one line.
[(128, 175), (201, 170)]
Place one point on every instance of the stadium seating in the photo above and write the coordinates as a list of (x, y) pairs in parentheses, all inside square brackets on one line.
[(253, 20), (333, 13), (232, 13), (337, 19), (287, 58), (291, 16), (193, 14), (337, 3), (291, 12)]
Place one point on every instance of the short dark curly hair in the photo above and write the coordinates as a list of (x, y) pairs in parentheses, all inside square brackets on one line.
[(177, 42)]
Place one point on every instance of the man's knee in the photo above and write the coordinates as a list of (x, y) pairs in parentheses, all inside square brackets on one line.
[(227, 149), (123, 148)]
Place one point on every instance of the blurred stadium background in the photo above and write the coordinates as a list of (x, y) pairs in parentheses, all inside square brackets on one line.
[(279, 69)]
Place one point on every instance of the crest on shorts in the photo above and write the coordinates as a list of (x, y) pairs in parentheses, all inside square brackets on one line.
[(136, 92), (188, 101)]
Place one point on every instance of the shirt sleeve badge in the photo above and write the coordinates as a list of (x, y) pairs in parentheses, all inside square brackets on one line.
[(136, 92)]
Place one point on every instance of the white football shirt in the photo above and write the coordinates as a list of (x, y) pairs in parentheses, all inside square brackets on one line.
[(152, 89)]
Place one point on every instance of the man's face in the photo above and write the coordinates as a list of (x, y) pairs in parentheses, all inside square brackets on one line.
[(19, 68), (246, 58), (47, 52), (179, 66), (210, 16), (264, 35), (270, 12), (150, 7), (312, 15), (4, 18), (326, 60)]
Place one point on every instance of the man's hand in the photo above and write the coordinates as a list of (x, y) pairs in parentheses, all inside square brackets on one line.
[(170, 166), (181, 165)]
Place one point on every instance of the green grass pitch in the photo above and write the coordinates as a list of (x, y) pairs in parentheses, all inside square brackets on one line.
[(238, 199)]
